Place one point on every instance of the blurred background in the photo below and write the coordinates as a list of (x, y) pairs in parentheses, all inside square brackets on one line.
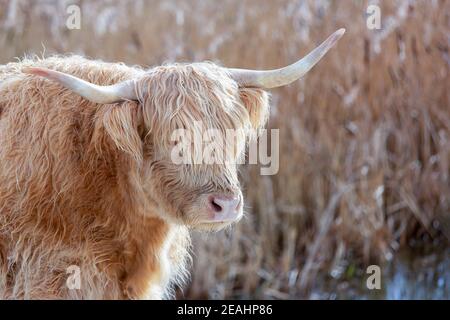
[(364, 138)]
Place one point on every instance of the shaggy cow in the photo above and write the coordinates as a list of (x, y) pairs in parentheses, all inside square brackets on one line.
[(91, 205)]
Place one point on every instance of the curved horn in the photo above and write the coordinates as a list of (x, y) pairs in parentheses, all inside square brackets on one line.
[(100, 94), (268, 79)]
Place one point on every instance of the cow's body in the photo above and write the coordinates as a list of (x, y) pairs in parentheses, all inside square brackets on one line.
[(68, 195), (92, 203)]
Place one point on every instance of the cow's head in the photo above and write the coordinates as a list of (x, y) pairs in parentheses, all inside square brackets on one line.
[(195, 98)]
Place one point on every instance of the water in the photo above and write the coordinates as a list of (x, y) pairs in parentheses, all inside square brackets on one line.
[(412, 274), (426, 277)]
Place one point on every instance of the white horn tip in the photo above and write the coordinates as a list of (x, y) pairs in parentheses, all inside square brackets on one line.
[(335, 37), (340, 32)]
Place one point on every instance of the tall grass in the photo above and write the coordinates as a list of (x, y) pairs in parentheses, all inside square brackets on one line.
[(365, 137)]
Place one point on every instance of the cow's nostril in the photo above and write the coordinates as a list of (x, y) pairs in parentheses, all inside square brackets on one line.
[(224, 208), (217, 207), (224, 204)]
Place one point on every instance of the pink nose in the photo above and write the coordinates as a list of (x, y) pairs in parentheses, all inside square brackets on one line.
[(224, 207)]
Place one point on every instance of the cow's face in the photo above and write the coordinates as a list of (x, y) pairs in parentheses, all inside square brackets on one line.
[(198, 122)]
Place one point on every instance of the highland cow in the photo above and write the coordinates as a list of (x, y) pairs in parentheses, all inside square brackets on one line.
[(86, 178)]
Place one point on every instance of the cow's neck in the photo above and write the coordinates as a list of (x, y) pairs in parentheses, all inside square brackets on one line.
[(145, 268)]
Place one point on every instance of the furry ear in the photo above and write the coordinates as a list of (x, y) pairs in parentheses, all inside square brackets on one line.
[(121, 123), (256, 101)]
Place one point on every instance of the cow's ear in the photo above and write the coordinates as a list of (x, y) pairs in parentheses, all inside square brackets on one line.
[(121, 122), (256, 101)]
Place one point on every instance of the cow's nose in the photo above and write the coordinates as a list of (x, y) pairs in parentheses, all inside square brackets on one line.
[(224, 207)]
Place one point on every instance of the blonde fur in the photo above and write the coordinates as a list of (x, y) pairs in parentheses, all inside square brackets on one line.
[(93, 186)]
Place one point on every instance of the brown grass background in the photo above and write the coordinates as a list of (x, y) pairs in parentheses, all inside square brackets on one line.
[(364, 138)]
